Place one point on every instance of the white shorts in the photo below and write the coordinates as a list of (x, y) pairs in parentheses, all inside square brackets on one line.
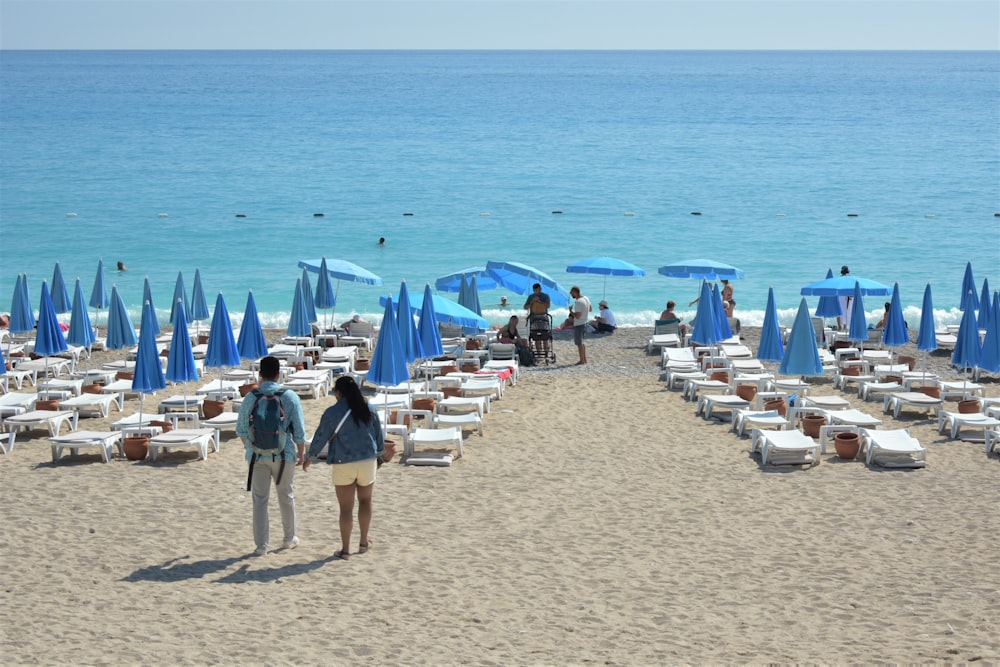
[(361, 473)]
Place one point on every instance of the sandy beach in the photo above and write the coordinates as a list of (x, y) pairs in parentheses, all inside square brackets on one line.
[(598, 520)]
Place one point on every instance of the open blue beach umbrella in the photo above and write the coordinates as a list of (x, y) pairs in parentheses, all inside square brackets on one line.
[(989, 357), (148, 373), (81, 331), (221, 350), (926, 337), (251, 344), (298, 323), (180, 362), (49, 339), (770, 347), (121, 331), (22, 317), (985, 310), (325, 299), (519, 278), (446, 310), (704, 269), (147, 297), (427, 328), (199, 305), (60, 296), (307, 297), (719, 311), (341, 270), (388, 366), (408, 339), (453, 281), (801, 354), (606, 266), (845, 286), (969, 298), (858, 332), (967, 347), (705, 330), (179, 301), (895, 332), (828, 306)]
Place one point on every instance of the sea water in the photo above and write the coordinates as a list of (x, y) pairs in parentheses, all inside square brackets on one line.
[(240, 164)]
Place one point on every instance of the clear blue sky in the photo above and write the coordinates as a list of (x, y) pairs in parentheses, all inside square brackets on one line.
[(500, 24)]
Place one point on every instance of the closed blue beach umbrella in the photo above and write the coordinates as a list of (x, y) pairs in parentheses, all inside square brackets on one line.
[(251, 344), (829, 306), (801, 354), (985, 310), (926, 336), (199, 305), (60, 296), (221, 350), (895, 332), (324, 299), (858, 332), (989, 357), (180, 362), (3, 362), (307, 296), (147, 297), (722, 327), (49, 338), (179, 301), (967, 347), (705, 331), (408, 339), (121, 331), (469, 298), (388, 367), (298, 322), (427, 328), (99, 295), (969, 298), (22, 318), (770, 347), (81, 331), (148, 376)]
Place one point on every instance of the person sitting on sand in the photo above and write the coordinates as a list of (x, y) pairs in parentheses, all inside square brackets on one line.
[(605, 321), (885, 318), (668, 316)]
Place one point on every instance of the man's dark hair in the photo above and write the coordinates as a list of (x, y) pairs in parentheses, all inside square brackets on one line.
[(536, 286), (270, 368)]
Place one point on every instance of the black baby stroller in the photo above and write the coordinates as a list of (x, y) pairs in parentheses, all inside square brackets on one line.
[(540, 336)]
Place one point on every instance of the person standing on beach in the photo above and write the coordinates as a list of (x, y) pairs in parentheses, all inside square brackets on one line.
[(537, 305), (727, 297), (844, 321), (581, 309), (265, 467), (352, 434)]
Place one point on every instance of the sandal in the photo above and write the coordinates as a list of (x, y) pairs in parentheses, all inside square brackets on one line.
[(364, 546), (342, 554)]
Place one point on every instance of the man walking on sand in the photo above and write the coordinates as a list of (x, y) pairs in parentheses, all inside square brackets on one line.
[(581, 310)]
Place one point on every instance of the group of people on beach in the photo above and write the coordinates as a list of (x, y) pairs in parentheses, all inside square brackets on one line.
[(349, 433)]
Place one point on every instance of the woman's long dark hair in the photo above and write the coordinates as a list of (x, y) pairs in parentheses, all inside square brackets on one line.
[(350, 390)]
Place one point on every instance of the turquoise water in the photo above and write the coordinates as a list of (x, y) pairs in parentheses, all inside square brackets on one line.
[(157, 152)]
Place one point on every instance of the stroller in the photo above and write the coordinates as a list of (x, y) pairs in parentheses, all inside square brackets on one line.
[(540, 337)]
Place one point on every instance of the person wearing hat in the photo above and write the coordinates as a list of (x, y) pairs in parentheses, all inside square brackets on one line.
[(844, 321), (605, 321)]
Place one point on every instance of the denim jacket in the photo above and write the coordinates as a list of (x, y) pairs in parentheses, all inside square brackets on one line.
[(353, 442)]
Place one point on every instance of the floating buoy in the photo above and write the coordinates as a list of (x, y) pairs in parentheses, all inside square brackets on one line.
[(996, 215), (629, 214), (241, 215), (695, 212), (162, 215), (408, 214), (779, 215), (317, 215), (71, 215), (556, 212), (929, 215), (852, 215), (485, 214)]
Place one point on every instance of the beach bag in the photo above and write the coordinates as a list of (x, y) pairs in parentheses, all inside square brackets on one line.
[(266, 435), (524, 356)]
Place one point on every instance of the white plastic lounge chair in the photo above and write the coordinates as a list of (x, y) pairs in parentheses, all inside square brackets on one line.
[(492, 387), (470, 420), (50, 419), (784, 447), (681, 375), (313, 383), (221, 390), (226, 420), (912, 399), (104, 440), (15, 404), (666, 333), (59, 384), (181, 404), (992, 438), (459, 404), (959, 389), (437, 438), (677, 356), (870, 388), (359, 334), (199, 438), (892, 449), (501, 365), (692, 386), (957, 420), (99, 404), (852, 417), (708, 403), (758, 419)]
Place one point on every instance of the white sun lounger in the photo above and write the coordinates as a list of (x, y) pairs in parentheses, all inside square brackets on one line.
[(199, 438), (956, 420), (459, 404), (93, 403), (15, 404), (226, 420), (103, 440), (758, 419), (708, 403), (892, 449), (913, 399), (438, 438), (50, 419), (784, 447)]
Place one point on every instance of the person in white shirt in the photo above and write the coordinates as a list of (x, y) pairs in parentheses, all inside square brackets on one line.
[(581, 309), (605, 321)]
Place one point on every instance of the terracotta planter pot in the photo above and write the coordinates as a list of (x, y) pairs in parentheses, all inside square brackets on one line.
[(933, 392), (165, 427), (362, 364), (852, 371), (720, 376), (202, 339), (247, 388), (424, 404), (746, 391), (394, 419), (450, 392), (847, 445), (893, 378), (91, 389), (136, 448), (811, 424), (46, 405), (213, 408), (470, 368), (965, 407), (777, 404), (124, 375), (911, 362), (445, 370)]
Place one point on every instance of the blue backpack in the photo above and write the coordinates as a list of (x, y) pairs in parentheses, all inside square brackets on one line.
[(266, 435)]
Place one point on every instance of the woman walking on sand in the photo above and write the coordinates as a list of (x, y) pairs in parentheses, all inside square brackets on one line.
[(352, 434)]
